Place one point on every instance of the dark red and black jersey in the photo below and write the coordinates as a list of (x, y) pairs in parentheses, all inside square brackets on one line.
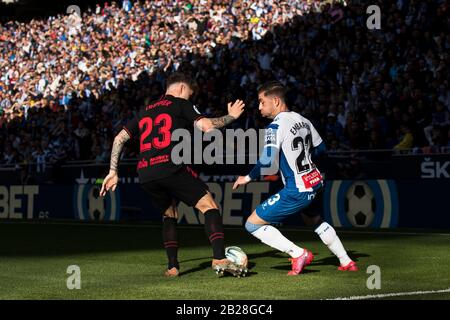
[(154, 126)]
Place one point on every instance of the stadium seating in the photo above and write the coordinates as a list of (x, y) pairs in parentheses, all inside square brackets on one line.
[(68, 83)]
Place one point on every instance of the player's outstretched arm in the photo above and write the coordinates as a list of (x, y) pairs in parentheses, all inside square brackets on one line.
[(241, 180), (266, 161), (111, 180), (234, 111)]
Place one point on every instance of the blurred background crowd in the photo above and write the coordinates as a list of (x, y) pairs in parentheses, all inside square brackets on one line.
[(68, 83)]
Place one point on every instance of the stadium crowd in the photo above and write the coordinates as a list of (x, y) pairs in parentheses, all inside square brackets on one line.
[(69, 83)]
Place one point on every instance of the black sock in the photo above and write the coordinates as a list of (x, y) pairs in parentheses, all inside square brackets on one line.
[(170, 238), (214, 231), (318, 223)]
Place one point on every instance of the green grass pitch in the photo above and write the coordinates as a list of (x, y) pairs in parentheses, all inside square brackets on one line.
[(127, 262)]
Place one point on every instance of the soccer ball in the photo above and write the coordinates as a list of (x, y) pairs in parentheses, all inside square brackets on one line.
[(360, 205), (236, 255)]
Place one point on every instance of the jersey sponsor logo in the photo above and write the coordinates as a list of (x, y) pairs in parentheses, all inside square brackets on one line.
[(142, 164), (159, 159), (312, 179), (361, 204), (311, 197)]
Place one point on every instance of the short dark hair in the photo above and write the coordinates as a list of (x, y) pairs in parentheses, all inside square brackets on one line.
[(274, 88), (181, 77)]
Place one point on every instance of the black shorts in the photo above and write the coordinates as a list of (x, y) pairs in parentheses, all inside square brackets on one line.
[(184, 185)]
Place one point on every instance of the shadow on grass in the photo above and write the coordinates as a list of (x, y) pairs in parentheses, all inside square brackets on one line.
[(271, 253), (41, 240), (330, 260), (287, 267), (333, 261), (60, 239), (278, 255)]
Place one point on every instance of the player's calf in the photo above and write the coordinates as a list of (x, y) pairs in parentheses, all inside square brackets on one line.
[(329, 237), (170, 237), (215, 233), (271, 236)]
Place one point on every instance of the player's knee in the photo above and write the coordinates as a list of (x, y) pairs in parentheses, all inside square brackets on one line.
[(326, 232), (171, 212), (207, 207), (206, 203), (312, 221), (251, 227)]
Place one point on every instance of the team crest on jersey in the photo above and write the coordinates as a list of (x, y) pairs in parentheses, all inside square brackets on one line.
[(361, 204), (271, 136), (90, 206)]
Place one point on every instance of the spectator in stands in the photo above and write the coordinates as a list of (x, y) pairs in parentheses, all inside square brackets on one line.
[(98, 72), (406, 138)]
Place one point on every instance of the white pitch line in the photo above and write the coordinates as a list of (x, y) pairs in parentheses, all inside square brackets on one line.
[(387, 295)]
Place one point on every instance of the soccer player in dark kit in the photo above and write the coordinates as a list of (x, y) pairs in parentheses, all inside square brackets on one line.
[(167, 182)]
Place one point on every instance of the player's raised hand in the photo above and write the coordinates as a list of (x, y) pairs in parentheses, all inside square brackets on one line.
[(235, 110), (241, 180), (110, 183)]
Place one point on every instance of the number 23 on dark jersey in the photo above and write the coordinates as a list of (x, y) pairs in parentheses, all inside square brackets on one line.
[(154, 126)]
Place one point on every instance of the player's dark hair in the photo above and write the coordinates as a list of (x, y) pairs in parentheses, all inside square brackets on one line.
[(273, 88), (181, 77)]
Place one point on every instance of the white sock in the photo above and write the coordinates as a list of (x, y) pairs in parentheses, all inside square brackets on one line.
[(329, 237), (273, 237)]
